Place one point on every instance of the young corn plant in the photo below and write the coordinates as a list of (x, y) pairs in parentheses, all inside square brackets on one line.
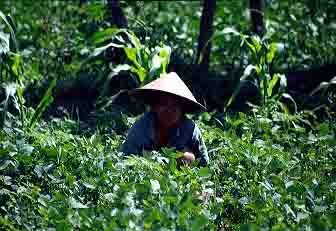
[(12, 76), (262, 55), (147, 63), (11, 70)]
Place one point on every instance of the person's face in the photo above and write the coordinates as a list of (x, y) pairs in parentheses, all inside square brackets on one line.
[(168, 110)]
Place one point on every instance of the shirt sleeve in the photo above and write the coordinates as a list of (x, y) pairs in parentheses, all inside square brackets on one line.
[(199, 147), (134, 142)]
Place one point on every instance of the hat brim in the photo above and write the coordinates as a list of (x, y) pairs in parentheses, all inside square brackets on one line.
[(149, 96)]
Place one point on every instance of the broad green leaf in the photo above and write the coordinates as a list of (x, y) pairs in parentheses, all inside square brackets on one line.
[(199, 222), (287, 96), (106, 34), (121, 67), (229, 30), (160, 59), (271, 84), (323, 86), (141, 72), (99, 50), (5, 19), (272, 50), (248, 71), (134, 39), (204, 172), (76, 204), (131, 54), (283, 81), (256, 43)]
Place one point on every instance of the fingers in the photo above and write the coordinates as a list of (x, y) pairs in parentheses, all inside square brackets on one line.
[(189, 156)]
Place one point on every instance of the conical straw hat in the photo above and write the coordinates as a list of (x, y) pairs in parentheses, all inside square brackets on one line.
[(169, 84)]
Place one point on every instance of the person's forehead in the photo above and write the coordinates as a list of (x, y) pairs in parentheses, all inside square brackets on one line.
[(170, 98)]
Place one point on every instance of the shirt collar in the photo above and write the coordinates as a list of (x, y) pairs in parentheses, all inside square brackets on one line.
[(175, 132)]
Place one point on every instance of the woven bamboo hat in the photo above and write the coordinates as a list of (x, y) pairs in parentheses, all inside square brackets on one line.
[(170, 84)]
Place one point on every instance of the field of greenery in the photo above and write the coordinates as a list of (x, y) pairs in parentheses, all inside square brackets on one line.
[(271, 168)]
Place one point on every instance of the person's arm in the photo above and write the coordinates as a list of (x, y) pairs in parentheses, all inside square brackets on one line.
[(199, 149), (133, 144)]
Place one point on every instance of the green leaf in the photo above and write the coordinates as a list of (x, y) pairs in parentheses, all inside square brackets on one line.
[(4, 43), (76, 204), (248, 71), (88, 185), (324, 86), (204, 172), (283, 81), (160, 59), (289, 211), (256, 43), (141, 72), (323, 129), (4, 18), (99, 50), (134, 40), (39, 170), (172, 165), (288, 96), (106, 34), (155, 185), (10, 90), (272, 50), (199, 222), (44, 103), (229, 30), (248, 227), (131, 54), (271, 84)]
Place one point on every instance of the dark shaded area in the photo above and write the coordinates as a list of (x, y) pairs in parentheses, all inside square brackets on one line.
[(80, 97), (304, 81), (301, 83), (256, 12), (117, 17), (206, 31)]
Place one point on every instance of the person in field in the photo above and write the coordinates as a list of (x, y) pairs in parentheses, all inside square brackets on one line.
[(166, 125)]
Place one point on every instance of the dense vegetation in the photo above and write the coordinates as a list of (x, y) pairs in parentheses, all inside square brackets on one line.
[(272, 167)]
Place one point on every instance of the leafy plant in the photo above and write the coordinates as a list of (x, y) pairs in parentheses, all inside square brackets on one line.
[(147, 63), (262, 55), (261, 172), (270, 169), (11, 70), (44, 103)]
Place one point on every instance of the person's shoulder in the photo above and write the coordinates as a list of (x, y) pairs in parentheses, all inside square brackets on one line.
[(187, 125), (143, 122), (191, 126), (147, 117), (187, 122)]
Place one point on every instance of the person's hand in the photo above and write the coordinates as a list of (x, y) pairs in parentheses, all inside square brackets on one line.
[(188, 157)]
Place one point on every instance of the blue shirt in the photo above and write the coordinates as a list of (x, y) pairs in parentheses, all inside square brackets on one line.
[(185, 136)]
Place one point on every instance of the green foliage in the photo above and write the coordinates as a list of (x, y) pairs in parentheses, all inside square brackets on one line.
[(44, 103), (263, 171), (11, 70), (270, 170), (14, 78), (262, 55), (146, 62)]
